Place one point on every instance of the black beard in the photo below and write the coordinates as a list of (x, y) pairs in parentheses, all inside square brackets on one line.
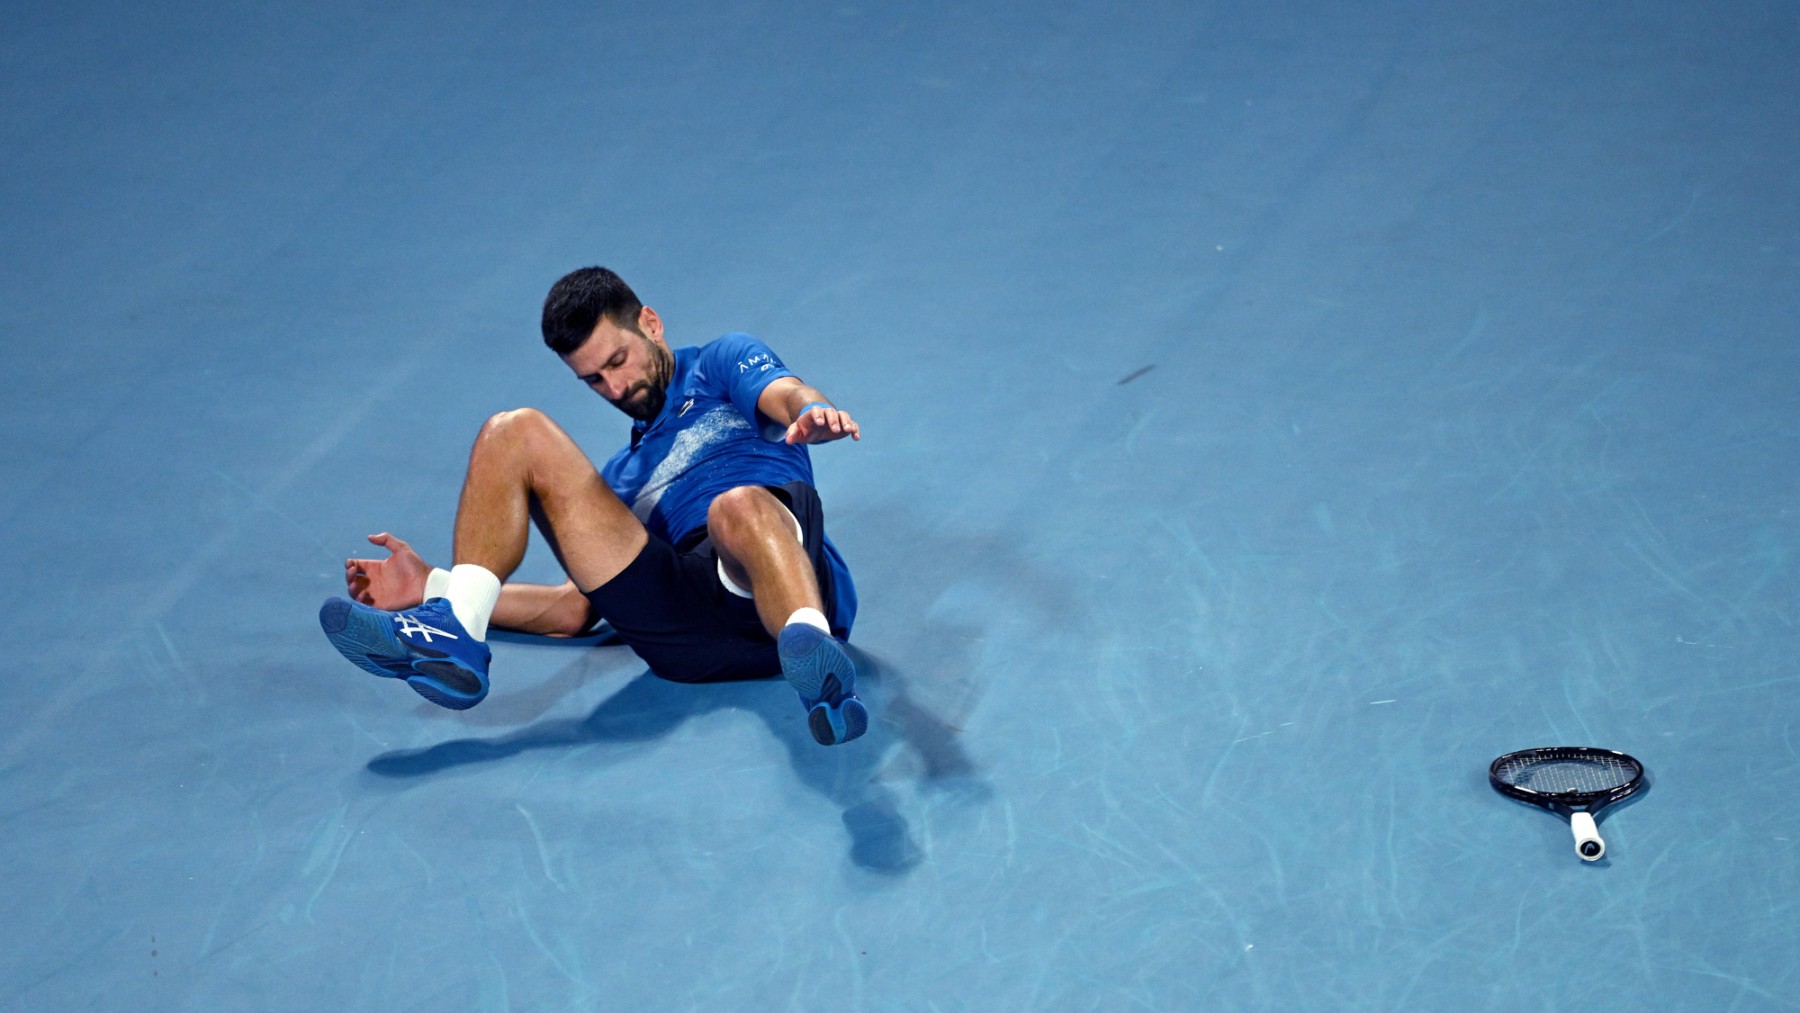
[(646, 408), (654, 391)]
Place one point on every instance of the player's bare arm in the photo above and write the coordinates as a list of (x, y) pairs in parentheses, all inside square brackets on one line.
[(809, 416)]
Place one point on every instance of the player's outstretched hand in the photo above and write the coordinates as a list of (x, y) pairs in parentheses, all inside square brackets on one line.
[(821, 424), (397, 582)]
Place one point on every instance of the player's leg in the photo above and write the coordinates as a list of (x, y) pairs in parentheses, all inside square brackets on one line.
[(520, 458), (759, 547), (759, 544), (551, 611)]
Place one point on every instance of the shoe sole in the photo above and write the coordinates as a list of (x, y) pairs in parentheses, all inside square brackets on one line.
[(831, 725), (825, 677), (369, 643)]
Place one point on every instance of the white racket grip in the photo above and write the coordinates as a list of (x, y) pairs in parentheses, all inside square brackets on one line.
[(1587, 837)]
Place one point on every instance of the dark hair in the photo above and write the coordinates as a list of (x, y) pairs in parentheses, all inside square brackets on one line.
[(579, 300)]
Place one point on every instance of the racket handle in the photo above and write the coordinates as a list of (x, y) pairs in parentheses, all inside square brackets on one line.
[(1587, 837)]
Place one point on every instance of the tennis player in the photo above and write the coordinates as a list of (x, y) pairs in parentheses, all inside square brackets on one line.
[(701, 541)]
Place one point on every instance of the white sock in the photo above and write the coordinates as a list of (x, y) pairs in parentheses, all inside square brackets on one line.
[(436, 582), (472, 591), (811, 617)]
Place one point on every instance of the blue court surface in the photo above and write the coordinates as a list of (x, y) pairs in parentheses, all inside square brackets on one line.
[(1272, 413)]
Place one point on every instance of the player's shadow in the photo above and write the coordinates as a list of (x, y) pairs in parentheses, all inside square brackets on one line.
[(648, 708), (941, 590)]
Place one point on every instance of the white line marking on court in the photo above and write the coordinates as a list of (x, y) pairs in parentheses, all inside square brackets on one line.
[(1377, 703), (543, 851)]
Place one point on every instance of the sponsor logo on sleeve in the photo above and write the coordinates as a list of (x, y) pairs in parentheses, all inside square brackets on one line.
[(761, 362)]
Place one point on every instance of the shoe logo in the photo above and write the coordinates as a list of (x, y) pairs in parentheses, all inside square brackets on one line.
[(410, 626)]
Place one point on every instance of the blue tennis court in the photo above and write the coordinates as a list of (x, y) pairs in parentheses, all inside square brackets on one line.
[(1272, 413)]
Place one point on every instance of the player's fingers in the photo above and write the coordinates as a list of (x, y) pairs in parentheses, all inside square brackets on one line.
[(390, 542)]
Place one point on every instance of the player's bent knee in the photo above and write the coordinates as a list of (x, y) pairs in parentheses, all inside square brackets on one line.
[(746, 513), (503, 425), (520, 427), (733, 509)]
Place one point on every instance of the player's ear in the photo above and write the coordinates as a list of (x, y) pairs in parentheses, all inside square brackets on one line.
[(649, 324)]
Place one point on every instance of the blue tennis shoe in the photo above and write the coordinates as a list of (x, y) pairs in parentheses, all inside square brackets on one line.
[(818, 668), (425, 646)]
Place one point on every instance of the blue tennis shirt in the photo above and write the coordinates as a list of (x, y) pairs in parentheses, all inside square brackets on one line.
[(708, 438)]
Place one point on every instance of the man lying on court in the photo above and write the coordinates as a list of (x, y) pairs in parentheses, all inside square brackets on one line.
[(702, 541)]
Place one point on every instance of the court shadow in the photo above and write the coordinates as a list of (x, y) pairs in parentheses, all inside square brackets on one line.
[(948, 597), (644, 709), (648, 708)]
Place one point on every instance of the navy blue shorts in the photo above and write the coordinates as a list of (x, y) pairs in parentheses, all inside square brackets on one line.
[(670, 607)]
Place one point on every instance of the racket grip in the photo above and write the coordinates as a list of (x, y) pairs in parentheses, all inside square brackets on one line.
[(1587, 837)]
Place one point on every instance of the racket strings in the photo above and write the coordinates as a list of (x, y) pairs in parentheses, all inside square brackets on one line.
[(1567, 775)]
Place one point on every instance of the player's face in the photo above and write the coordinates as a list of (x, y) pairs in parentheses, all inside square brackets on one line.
[(628, 366)]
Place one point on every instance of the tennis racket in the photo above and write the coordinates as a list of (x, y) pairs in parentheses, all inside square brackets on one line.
[(1576, 781)]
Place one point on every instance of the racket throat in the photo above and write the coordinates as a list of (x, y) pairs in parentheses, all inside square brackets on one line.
[(1587, 836)]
